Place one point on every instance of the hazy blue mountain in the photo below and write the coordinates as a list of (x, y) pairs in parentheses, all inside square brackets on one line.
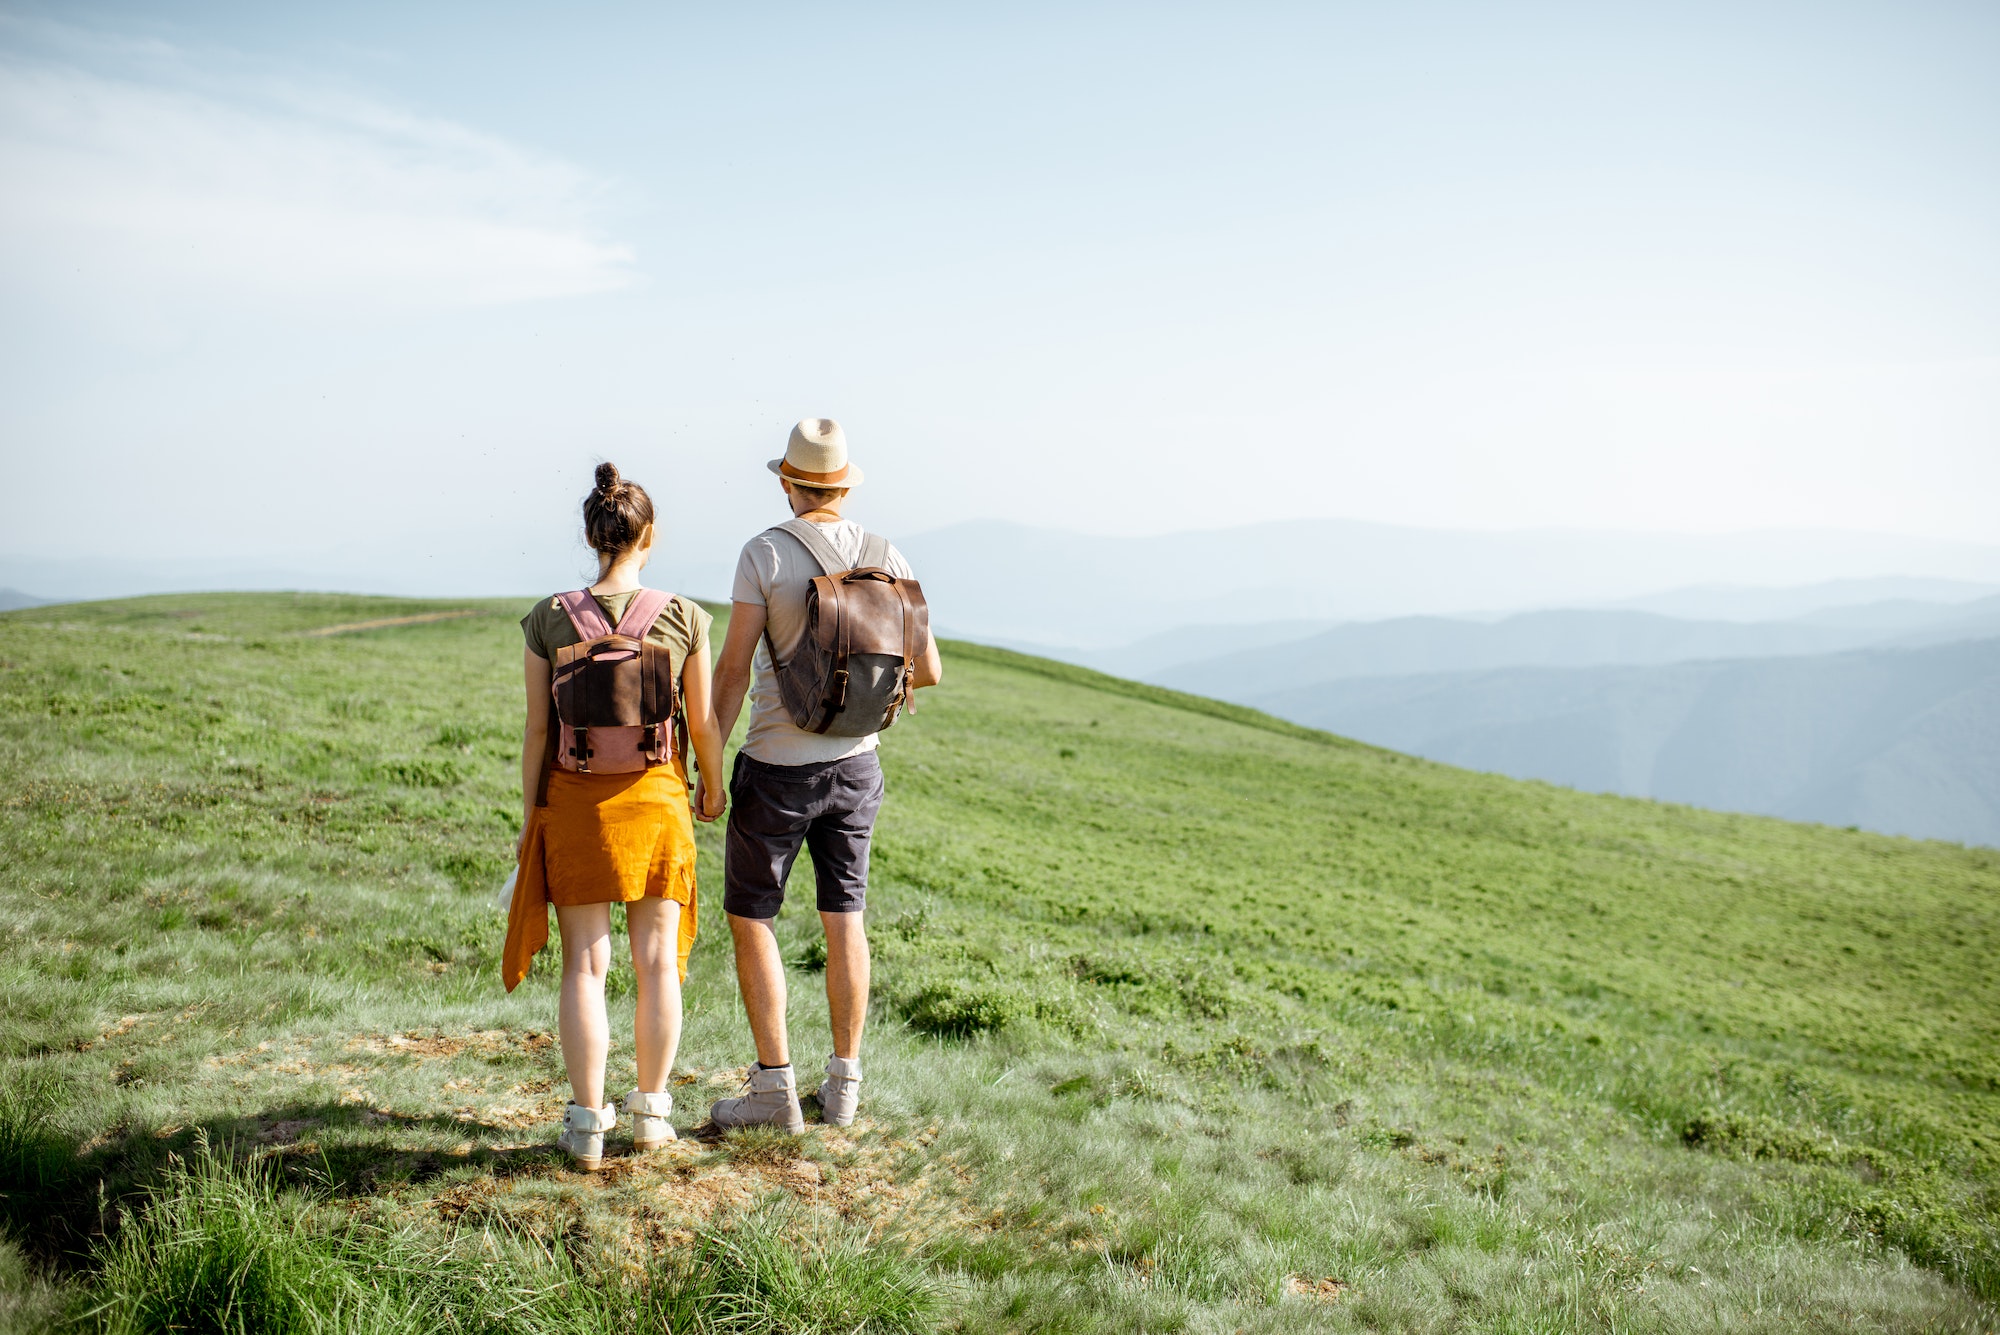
[(1411, 645), (13, 598), (1980, 620), (1904, 614), (998, 580), (1835, 599), (1156, 654), (1900, 740)]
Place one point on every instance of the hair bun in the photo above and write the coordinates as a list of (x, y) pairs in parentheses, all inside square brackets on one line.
[(616, 513)]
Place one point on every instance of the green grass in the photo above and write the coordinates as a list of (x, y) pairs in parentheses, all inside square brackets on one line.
[(220, 1248), (1187, 1018)]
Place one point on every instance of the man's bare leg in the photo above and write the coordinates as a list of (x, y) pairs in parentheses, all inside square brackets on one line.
[(846, 980), (760, 974), (770, 1096)]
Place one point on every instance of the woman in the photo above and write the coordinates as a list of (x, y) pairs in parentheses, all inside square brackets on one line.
[(591, 839)]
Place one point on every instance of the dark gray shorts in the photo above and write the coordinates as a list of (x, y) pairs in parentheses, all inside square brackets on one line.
[(829, 807)]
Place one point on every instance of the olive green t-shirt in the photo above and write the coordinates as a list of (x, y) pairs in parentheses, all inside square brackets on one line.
[(681, 628)]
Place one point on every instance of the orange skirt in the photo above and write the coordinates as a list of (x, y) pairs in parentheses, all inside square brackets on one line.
[(602, 839)]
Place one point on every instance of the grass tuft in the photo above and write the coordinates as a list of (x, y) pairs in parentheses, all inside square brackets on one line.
[(35, 1153), (954, 1010), (1755, 1137), (778, 1270), (215, 1249)]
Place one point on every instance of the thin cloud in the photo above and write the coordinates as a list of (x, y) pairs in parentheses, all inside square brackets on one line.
[(293, 193)]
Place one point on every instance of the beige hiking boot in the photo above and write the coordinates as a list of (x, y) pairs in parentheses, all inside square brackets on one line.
[(650, 1127), (840, 1092), (770, 1098), (583, 1133)]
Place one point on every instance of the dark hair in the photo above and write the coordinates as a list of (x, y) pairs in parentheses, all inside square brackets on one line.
[(615, 513)]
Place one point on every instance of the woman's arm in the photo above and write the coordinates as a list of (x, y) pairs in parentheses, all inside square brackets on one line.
[(535, 736), (698, 702)]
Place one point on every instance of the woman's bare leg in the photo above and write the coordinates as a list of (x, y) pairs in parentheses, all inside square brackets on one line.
[(655, 928), (586, 950)]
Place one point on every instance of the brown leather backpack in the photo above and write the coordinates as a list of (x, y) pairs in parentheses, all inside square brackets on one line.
[(616, 700), (852, 673)]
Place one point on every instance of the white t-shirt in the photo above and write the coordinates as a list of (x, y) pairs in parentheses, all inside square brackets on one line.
[(775, 572)]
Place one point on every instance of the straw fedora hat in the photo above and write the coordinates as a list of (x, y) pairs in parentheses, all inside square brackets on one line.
[(816, 456)]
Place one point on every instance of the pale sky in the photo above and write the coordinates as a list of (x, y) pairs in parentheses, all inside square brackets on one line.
[(368, 286)]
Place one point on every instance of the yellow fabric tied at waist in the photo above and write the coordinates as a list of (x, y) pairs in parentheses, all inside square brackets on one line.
[(602, 839)]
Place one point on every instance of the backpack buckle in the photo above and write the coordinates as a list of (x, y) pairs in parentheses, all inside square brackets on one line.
[(580, 750), (836, 695), (649, 742)]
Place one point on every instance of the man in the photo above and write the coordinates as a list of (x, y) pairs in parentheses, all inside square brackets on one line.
[(790, 786)]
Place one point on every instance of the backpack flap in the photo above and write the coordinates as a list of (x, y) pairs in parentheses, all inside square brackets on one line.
[(599, 683), (860, 611)]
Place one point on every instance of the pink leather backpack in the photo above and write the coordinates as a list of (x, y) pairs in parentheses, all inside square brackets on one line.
[(615, 695)]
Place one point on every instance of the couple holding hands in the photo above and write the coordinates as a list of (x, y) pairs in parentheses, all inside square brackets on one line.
[(830, 622)]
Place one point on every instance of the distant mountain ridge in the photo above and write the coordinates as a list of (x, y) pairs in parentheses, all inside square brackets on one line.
[(1885, 715), (1578, 638), (1905, 741), (1827, 598)]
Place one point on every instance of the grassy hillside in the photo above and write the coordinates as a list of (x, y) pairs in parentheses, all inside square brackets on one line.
[(1188, 1018)]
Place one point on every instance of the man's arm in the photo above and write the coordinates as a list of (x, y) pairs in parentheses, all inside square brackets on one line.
[(928, 670), (732, 672)]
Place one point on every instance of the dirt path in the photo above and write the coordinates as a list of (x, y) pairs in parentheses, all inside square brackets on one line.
[(379, 623)]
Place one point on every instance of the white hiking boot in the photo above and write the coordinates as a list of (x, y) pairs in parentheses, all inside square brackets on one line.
[(840, 1091), (583, 1133), (650, 1127), (769, 1098)]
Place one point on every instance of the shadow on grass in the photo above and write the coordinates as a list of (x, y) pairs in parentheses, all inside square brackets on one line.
[(295, 1137), (61, 1193)]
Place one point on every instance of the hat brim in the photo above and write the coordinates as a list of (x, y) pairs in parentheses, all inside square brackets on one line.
[(850, 478)]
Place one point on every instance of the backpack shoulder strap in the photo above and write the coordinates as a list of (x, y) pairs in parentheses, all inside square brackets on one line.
[(809, 536), (584, 613), (642, 612), (874, 552)]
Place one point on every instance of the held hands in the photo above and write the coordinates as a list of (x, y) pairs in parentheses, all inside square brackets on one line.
[(709, 803)]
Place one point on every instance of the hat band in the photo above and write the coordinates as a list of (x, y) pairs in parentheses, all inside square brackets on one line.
[(832, 479)]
